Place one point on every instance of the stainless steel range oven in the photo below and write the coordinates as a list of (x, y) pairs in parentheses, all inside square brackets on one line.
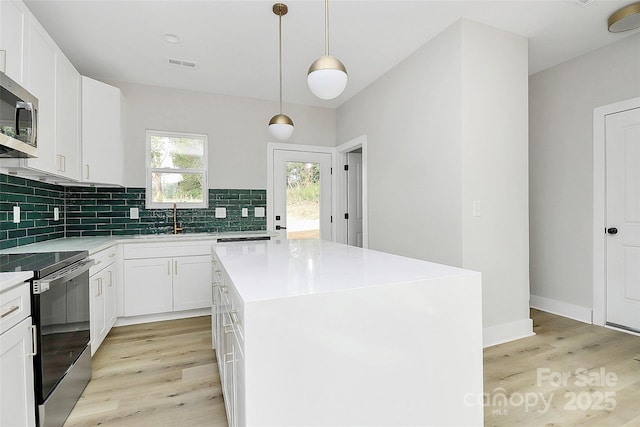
[(60, 309)]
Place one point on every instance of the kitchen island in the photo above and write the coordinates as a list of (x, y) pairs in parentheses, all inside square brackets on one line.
[(311, 332)]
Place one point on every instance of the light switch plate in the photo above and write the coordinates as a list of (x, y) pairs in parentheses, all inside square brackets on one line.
[(259, 212), (56, 214), (477, 208), (221, 212), (245, 212), (134, 213), (16, 214)]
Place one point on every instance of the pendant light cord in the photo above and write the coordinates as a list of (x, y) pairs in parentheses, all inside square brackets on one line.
[(326, 27), (280, 54)]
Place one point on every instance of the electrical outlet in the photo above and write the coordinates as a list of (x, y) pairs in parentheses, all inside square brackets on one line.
[(16, 214), (134, 213), (221, 212), (245, 212), (56, 214)]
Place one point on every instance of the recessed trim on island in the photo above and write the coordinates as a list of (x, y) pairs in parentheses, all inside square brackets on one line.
[(311, 332)]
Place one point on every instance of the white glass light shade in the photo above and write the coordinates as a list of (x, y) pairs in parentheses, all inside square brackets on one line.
[(281, 127), (327, 77)]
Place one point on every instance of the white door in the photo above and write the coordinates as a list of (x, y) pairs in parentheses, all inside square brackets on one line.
[(354, 199), (623, 218), (302, 194)]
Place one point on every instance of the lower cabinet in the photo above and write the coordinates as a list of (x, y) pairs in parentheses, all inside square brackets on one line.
[(162, 279), (17, 397), (102, 303), (228, 341)]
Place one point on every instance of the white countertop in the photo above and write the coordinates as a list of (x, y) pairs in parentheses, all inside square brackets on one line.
[(9, 280), (285, 268), (96, 244)]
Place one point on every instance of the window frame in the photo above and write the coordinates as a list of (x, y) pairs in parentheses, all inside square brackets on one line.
[(149, 203)]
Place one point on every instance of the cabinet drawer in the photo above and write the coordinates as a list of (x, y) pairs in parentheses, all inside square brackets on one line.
[(15, 305), (159, 250), (104, 259)]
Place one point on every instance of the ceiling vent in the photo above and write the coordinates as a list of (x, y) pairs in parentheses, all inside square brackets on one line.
[(182, 62)]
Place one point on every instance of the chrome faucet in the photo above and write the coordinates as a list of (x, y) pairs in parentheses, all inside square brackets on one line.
[(176, 229)]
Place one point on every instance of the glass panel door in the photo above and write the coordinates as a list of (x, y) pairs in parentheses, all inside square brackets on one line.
[(302, 194)]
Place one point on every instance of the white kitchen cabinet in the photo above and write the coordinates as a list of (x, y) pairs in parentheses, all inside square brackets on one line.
[(14, 36), (190, 282), (67, 136), (228, 341), (41, 82), (56, 83), (17, 406), (102, 146), (147, 286), (162, 278), (102, 304)]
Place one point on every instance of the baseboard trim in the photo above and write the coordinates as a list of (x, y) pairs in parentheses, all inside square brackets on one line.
[(565, 309), (135, 320), (506, 332)]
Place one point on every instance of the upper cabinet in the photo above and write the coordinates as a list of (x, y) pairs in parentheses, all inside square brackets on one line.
[(70, 107), (41, 82), (14, 30), (102, 148), (68, 86)]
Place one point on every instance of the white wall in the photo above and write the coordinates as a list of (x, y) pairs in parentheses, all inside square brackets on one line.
[(237, 129), (412, 122), (495, 173), (446, 127), (562, 100)]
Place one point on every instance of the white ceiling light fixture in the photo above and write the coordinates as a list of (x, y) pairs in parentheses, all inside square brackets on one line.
[(280, 125), (625, 19), (327, 76)]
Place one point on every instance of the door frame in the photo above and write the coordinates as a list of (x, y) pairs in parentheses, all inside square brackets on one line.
[(599, 313), (341, 194), (271, 147)]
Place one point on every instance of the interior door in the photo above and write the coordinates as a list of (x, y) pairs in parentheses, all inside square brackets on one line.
[(623, 218), (302, 194), (354, 199)]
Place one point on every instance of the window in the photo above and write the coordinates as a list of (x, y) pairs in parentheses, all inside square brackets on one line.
[(176, 170)]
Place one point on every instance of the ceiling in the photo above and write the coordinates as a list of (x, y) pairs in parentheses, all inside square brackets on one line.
[(235, 43)]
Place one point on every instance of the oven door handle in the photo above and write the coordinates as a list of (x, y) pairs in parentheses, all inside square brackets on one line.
[(62, 276)]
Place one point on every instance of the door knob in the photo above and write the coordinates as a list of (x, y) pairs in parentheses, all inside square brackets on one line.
[(612, 230)]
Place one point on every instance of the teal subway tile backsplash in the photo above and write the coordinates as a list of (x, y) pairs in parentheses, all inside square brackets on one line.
[(104, 211), (37, 201)]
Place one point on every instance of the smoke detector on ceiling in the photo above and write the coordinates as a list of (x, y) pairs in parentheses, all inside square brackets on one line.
[(182, 62), (581, 2)]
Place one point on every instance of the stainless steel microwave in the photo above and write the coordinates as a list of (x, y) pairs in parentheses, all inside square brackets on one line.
[(18, 120)]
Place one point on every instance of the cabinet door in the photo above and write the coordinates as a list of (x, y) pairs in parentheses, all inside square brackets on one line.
[(42, 84), (110, 297), (147, 286), (96, 306), (192, 282), (101, 138), (67, 118), (17, 406), (14, 24)]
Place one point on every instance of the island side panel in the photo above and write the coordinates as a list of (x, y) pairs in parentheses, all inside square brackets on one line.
[(403, 354)]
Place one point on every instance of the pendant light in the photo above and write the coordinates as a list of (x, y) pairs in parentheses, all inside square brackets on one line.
[(327, 76), (280, 125)]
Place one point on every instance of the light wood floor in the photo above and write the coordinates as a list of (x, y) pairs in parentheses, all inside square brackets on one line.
[(165, 374), (155, 374), (530, 369)]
